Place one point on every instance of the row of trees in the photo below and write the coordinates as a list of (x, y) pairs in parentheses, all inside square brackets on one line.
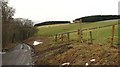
[(52, 22), (14, 29), (97, 18)]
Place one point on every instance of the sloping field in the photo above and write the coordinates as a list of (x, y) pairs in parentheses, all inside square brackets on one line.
[(100, 35), (43, 31), (75, 53), (53, 53)]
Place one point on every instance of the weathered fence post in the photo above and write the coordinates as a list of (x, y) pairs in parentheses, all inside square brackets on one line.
[(113, 32), (91, 37), (79, 35), (68, 36), (56, 37)]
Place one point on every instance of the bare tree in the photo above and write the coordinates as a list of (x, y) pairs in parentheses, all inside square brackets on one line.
[(14, 30)]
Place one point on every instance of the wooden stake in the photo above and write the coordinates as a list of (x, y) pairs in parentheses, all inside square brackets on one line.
[(113, 31), (79, 38), (68, 36), (91, 37), (81, 35)]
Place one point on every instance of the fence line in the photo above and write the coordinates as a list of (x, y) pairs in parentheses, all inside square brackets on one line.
[(86, 29), (80, 34)]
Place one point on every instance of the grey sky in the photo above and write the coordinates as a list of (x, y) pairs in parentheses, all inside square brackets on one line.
[(44, 10)]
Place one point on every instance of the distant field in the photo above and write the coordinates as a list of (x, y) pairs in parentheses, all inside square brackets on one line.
[(53, 25), (52, 30)]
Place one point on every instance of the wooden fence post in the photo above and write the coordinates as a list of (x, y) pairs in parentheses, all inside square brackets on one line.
[(81, 32), (91, 37), (79, 35), (68, 36), (113, 32), (56, 37)]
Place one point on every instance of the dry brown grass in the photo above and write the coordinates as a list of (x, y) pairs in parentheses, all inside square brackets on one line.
[(76, 54)]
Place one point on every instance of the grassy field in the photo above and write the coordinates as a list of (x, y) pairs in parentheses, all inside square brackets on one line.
[(100, 35), (75, 53), (43, 31)]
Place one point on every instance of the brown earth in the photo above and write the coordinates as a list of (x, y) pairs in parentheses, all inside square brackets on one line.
[(74, 53)]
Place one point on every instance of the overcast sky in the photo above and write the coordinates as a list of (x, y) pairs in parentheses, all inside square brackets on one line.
[(47, 10)]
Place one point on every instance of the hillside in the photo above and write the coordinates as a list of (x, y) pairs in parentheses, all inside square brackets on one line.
[(74, 52), (43, 31)]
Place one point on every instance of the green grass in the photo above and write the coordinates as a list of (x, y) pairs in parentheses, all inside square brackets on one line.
[(119, 32), (100, 35), (48, 31)]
